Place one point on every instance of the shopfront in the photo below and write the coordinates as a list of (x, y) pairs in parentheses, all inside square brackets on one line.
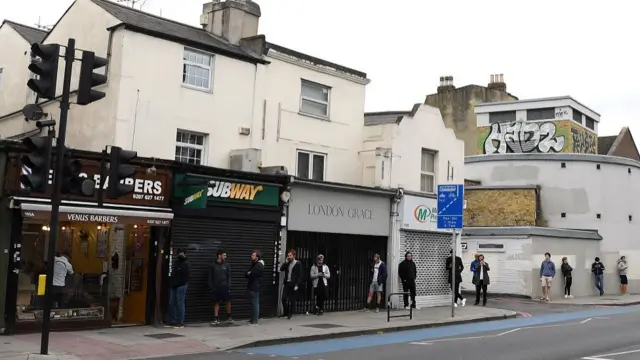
[(237, 216), (430, 247), (111, 250), (348, 225)]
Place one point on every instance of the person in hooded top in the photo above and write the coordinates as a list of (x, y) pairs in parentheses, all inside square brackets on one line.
[(408, 272), (458, 280)]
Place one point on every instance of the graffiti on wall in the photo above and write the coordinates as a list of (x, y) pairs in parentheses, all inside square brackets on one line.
[(523, 137), (584, 142)]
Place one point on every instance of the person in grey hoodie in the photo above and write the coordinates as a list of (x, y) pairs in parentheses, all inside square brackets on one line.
[(547, 273), (623, 268)]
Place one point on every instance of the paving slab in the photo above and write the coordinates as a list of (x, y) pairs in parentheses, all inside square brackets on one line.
[(148, 342)]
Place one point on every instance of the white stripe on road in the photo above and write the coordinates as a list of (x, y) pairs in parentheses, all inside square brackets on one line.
[(586, 320), (508, 332), (621, 353), (594, 358)]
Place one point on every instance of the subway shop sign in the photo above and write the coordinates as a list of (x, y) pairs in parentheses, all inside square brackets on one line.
[(223, 190)]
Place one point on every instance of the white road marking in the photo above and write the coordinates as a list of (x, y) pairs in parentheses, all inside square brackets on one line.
[(585, 320), (508, 332), (621, 353), (602, 318), (594, 358)]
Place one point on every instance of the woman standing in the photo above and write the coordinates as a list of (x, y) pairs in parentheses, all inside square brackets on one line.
[(566, 271), (481, 280), (623, 268)]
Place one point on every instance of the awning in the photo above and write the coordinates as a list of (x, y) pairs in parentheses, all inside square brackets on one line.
[(97, 215)]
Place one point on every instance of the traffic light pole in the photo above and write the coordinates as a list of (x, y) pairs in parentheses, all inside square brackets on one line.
[(55, 196)]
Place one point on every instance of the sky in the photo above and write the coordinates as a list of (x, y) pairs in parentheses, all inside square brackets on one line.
[(587, 49)]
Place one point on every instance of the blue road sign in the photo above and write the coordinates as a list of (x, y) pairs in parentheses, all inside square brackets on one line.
[(450, 206)]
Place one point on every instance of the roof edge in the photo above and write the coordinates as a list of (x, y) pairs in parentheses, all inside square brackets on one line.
[(531, 231)]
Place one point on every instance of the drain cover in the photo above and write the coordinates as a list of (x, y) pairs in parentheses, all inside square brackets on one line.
[(323, 326), (161, 336)]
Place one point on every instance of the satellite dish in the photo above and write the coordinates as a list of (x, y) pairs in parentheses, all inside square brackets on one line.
[(33, 112)]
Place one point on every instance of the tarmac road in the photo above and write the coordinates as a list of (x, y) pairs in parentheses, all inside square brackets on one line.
[(594, 334)]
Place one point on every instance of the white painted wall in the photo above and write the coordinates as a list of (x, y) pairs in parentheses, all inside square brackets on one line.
[(425, 129), (287, 130), (521, 106), (14, 59), (580, 190)]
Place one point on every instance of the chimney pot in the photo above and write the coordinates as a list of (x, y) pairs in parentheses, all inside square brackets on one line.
[(492, 79), (501, 78), (441, 80)]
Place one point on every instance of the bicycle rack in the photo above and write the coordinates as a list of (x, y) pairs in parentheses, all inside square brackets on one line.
[(389, 307)]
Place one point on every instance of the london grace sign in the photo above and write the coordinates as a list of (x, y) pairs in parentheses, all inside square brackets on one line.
[(333, 210)]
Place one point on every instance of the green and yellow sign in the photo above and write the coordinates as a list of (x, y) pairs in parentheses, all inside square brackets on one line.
[(222, 190)]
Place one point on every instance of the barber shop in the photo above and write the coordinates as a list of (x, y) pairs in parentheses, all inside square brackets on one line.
[(346, 224), (109, 251)]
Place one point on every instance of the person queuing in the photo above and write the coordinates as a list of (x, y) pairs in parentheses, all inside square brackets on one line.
[(458, 280), (597, 268), (378, 278), (320, 280), (566, 272), (547, 273), (408, 272), (292, 280), (254, 276), (220, 286), (178, 289), (481, 280)]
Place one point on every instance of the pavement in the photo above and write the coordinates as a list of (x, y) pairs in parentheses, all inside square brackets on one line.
[(592, 334), (148, 342)]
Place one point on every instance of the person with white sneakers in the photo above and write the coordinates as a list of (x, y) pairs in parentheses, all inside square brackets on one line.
[(458, 280), (566, 272)]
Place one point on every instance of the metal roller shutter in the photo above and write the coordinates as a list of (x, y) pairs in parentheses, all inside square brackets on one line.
[(430, 251), (203, 237)]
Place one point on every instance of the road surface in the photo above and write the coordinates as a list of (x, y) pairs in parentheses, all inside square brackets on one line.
[(592, 334)]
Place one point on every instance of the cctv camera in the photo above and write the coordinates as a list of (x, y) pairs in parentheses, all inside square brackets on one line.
[(152, 170)]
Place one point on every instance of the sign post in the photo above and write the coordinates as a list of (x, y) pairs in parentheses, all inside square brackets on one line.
[(450, 212)]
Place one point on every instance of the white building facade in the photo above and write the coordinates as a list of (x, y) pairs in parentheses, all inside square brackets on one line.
[(219, 95), (414, 151)]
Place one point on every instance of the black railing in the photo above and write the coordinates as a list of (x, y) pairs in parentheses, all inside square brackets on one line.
[(389, 307)]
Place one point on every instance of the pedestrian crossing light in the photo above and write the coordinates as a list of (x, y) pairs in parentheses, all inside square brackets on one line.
[(89, 79), (72, 182), (46, 67), (38, 163), (120, 170)]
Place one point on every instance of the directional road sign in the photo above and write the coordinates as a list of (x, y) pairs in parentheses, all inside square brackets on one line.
[(450, 206)]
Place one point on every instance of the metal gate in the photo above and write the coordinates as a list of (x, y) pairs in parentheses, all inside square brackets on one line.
[(430, 251), (349, 258), (203, 237)]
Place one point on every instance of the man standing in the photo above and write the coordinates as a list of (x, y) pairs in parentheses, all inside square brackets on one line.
[(379, 277), (623, 269), (597, 268), (254, 275), (408, 273), (61, 268), (220, 286), (481, 280), (178, 290), (320, 279), (547, 273), (458, 280), (293, 278)]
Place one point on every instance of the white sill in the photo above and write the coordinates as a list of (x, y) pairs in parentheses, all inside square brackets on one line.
[(319, 117), (191, 87)]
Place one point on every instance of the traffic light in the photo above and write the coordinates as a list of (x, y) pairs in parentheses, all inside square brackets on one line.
[(37, 163), (89, 79), (72, 182), (119, 170), (46, 68)]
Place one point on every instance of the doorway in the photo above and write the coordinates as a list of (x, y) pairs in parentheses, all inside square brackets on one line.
[(133, 275)]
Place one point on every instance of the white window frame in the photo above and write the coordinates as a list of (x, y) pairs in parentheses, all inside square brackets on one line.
[(312, 155), (1, 74), (202, 148), (211, 67), (317, 101), (428, 173)]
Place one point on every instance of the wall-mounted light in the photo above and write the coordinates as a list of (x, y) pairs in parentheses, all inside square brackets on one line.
[(45, 228), (64, 228), (135, 226), (99, 227)]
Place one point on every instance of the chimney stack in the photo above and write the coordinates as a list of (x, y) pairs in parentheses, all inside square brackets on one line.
[(232, 20), (496, 82), (446, 84)]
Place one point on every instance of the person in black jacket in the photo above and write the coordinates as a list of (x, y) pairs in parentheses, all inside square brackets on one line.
[(220, 286), (408, 272), (178, 289), (293, 278), (378, 278), (253, 284), (459, 269)]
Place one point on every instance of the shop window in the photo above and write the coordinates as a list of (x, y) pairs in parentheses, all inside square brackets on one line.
[(89, 281)]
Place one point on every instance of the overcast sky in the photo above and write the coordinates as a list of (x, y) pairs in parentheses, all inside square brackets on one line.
[(587, 49)]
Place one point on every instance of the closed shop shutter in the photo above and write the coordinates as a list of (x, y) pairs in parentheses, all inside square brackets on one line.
[(203, 237), (430, 251)]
